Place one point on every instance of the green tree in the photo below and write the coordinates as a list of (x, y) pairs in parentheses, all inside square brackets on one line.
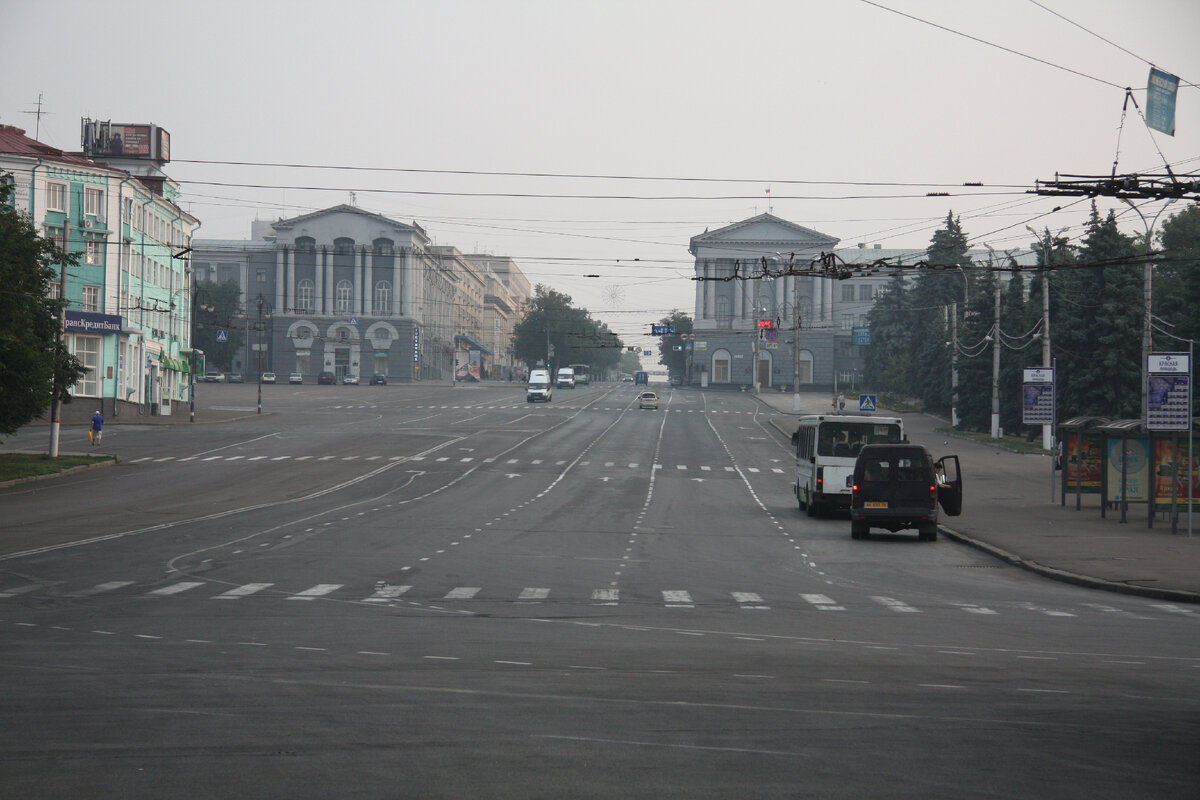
[(975, 339), (35, 366), (1099, 361), (886, 361), (218, 307), (672, 352), (554, 333)]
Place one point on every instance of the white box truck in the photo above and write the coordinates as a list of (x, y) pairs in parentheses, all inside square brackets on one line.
[(540, 387)]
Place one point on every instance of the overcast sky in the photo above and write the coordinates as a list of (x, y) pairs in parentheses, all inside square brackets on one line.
[(735, 97)]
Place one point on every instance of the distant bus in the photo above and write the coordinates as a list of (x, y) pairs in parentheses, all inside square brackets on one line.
[(826, 448), (641, 377), (583, 373)]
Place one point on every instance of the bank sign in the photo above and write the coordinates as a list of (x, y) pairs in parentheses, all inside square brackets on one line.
[(88, 322)]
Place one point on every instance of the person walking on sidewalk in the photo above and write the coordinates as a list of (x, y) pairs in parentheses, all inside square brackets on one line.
[(97, 428)]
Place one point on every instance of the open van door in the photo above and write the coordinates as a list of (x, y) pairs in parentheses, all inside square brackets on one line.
[(950, 489)]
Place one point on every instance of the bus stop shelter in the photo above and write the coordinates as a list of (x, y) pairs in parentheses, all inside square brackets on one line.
[(1081, 460), (1143, 466)]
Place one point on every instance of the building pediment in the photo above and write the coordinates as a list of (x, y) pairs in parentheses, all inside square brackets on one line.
[(765, 234)]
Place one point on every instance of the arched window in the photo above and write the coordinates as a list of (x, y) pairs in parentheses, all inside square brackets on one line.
[(306, 244), (304, 297), (343, 245), (720, 366), (381, 303), (343, 297), (383, 247)]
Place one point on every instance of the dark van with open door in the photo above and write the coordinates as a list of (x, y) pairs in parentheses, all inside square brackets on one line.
[(901, 486)]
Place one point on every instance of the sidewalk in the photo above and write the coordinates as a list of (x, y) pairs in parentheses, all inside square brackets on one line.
[(1007, 511)]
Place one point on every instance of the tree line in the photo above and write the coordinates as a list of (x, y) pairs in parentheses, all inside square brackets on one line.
[(1096, 311)]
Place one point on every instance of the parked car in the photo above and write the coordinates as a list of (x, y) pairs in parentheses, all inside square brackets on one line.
[(213, 377), (898, 486), (268, 377), (648, 400), (350, 380), (234, 377), (326, 379), (379, 379), (296, 377)]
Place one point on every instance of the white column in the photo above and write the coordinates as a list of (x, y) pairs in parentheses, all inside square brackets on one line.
[(319, 281), (357, 304), (710, 299), (289, 288), (280, 257), (397, 277), (739, 297), (328, 303)]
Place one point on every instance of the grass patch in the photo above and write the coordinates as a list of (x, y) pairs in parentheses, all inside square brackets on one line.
[(1017, 444), (15, 466)]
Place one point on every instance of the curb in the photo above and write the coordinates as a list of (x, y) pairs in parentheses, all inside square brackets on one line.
[(1173, 595)]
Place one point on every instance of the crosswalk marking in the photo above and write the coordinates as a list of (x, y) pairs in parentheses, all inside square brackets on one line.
[(677, 599), (895, 605), (317, 591), (672, 598), (20, 590), (175, 588), (605, 597), (100, 588), (385, 593), (822, 602), (245, 590), (750, 600)]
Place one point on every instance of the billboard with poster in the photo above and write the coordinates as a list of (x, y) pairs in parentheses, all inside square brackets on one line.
[(1135, 455), (126, 140), (1164, 467), (1083, 462)]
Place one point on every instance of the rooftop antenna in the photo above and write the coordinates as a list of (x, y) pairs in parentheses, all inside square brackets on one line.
[(353, 200), (37, 126), (770, 208)]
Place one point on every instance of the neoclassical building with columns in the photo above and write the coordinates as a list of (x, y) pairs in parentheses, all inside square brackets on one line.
[(342, 290), (732, 297)]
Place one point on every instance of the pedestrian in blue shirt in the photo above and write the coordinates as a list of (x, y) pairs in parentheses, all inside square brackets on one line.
[(97, 428)]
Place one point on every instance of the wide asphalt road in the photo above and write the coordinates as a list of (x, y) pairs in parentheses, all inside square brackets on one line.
[(438, 592)]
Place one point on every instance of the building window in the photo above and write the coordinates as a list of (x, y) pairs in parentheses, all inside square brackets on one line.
[(58, 237), (723, 310), (87, 350), (866, 292), (383, 336), (382, 301), (847, 292), (343, 296), (304, 296), (306, 244), (56, 197), (260, 274), (91, 298), (91, 251), (127, 210), (93, 202)]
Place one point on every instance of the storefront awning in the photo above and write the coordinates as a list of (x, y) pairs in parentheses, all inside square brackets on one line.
[(470, 344)]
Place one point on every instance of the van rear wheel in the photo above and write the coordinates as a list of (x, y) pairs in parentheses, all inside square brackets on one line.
[(858, 530), (927, 532)]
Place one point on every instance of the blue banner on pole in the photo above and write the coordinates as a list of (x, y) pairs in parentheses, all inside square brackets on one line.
[(1161, 89)]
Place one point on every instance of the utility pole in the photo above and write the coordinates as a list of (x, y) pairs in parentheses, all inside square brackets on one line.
[(56, 401), (996, 353), (757, 329)]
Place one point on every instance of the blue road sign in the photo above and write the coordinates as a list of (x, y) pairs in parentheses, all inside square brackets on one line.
[(867, 402), (222, 336)]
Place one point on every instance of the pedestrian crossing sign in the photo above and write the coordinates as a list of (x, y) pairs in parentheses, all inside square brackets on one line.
[(222, 336), (866, 402)]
